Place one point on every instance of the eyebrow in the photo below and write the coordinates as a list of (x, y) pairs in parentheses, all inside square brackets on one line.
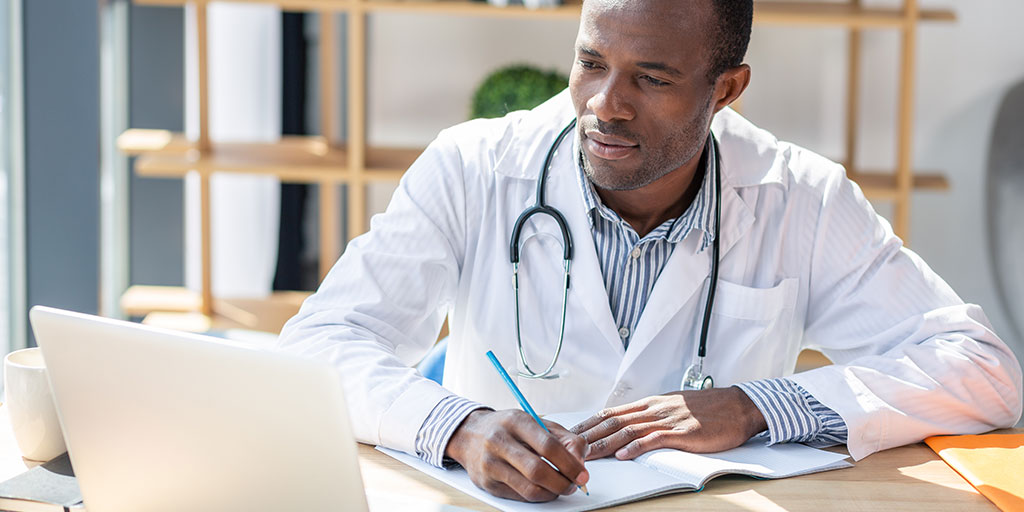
[(654, 66)]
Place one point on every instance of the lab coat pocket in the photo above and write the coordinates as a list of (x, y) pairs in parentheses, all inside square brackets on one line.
[(751, 329)]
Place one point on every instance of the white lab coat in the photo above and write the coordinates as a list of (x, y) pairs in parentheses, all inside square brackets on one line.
[(805, 262)]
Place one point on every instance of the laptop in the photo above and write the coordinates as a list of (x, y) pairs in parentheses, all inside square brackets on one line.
[(163, 420)]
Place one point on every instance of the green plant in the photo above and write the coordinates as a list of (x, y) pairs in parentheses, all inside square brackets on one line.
[(517, 87)]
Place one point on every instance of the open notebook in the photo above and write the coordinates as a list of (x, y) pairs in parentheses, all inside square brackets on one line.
[(613, 482)]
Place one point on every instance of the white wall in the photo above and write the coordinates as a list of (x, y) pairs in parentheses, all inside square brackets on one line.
[(423, 70)]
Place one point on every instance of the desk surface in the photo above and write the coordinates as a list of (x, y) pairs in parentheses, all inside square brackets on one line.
[(907, 478)]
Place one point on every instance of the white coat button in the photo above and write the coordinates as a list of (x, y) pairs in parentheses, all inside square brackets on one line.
[(623, 332), (635, 254)]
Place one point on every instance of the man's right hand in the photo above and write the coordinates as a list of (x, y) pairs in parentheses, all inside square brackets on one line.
[(502, 452)]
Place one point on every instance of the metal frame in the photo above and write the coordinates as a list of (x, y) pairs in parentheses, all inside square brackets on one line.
[(114, 174), (15, 119)]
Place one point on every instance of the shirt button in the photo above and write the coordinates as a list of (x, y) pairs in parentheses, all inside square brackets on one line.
[(623, 332), (635, 253)]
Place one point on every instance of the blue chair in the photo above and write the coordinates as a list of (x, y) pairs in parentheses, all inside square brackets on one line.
[(432, 366)]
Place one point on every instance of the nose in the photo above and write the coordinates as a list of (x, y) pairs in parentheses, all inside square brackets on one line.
[(610, 101)]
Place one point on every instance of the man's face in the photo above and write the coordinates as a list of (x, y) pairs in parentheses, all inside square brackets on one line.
[(640, 88)]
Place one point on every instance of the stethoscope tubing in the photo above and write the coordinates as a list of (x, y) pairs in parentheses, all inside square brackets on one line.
[(541, 208)]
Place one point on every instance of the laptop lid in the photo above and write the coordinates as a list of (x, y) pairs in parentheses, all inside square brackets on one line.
[(164, 420)]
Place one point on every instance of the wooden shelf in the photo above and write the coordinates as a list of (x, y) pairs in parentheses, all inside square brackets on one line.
[(142, 300), (765, 12), (883, 186), (569, 11), (310, 159), (844, 15), (137, 141), (179, 307), (296, 159)]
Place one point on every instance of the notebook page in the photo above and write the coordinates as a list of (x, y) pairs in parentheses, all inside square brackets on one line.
[(611, 482), (568, 419), (754, 458)]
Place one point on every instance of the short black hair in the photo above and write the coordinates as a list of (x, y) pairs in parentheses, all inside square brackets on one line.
[(729, 34)]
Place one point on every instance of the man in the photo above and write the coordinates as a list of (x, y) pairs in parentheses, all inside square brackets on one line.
[(803, 262)]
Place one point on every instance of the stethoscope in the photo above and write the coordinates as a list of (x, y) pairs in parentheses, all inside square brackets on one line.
[(694, 378)]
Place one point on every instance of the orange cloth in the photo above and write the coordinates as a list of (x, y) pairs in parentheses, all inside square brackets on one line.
[(992, 463)]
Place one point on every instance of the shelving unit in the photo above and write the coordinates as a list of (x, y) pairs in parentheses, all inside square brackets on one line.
[(327, 161)]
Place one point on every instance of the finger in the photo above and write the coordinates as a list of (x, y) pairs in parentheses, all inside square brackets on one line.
[(572, 442), (490, 475), (536, 470), (597, 437), (526, 490), (610, 444), (652, 441), (613, 424), (604, 414), (501, 490), (549, 446)]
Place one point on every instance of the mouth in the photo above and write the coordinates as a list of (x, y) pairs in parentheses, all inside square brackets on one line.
[(608, 147)]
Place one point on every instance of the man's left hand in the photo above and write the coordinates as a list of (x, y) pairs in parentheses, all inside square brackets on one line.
[(696, 421)]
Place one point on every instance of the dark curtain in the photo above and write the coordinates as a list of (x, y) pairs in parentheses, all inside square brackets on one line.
[(291, 241)]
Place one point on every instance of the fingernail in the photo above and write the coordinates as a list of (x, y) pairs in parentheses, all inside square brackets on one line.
[(621, 454), (583, 478)]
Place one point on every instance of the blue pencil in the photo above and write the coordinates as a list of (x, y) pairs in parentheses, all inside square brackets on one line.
[(522, 399)]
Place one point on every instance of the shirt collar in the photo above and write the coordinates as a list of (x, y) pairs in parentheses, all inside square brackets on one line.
[(698, 216)]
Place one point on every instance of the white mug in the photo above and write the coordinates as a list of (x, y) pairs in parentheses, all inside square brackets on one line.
[(30, 406)]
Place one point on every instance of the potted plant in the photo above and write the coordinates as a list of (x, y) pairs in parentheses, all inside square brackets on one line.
[(516, 87)]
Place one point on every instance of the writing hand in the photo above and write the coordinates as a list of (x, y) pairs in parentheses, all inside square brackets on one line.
[(502, 450), (696, 421)]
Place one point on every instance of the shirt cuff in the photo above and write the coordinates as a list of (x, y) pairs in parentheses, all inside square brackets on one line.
[(437, 429), (794, 415)]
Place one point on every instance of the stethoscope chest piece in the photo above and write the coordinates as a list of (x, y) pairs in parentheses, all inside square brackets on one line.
[(695, 380)]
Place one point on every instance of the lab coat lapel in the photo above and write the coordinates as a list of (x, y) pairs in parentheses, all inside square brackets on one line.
[(586, 281), (684, 275)]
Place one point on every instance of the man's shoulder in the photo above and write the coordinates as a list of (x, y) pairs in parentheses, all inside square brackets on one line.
[(506, 145), (753, 156)]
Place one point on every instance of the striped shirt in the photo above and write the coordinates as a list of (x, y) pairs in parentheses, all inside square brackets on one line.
[(630, 265)]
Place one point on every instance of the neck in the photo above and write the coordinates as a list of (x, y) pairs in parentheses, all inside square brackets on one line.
[(668, 197)]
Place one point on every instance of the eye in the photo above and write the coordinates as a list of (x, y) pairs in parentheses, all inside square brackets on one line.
[(654, 81), (586, 64)]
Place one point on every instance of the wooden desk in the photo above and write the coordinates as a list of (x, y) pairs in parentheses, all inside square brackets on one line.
[(907, 478)]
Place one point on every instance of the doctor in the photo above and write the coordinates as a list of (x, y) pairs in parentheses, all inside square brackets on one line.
[(669, 198)]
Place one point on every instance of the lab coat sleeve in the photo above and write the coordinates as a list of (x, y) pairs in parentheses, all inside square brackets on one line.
[(381, 306), (912, 360)]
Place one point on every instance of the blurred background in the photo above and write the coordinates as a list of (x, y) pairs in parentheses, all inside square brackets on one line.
[(201, 165)]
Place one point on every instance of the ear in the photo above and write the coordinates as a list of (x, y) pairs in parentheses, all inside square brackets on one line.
[(730, 85)]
